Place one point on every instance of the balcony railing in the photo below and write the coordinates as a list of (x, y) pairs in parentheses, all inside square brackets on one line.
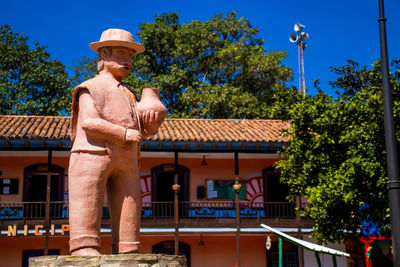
[(219, 209), (158, 210), (32, 210)]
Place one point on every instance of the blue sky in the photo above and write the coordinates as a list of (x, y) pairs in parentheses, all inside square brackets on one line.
[(338, 30)]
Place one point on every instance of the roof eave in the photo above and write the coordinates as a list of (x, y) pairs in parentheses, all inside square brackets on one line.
[(151, 145)]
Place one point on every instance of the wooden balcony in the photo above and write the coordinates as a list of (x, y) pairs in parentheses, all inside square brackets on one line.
[(161, 214)]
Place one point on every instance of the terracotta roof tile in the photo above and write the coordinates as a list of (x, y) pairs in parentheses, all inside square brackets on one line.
[(186, 130)]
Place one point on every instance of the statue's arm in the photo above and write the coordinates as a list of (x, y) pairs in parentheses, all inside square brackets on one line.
[(92, 123)]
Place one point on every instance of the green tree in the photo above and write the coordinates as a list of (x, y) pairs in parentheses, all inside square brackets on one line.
[(30, 82), (212, 69), (336, 158), (85, 68)]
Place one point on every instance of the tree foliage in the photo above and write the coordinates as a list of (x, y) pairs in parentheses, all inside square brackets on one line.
[(30, 82), (336, 158), (212, 69)]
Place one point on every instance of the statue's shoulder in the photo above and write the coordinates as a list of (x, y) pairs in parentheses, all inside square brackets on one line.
[(97, 86), (92, 83)]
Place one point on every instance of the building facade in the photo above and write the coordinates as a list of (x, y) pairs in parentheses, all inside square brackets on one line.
[(205, 156)]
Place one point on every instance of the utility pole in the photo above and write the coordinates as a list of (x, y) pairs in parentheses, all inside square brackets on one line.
[(390, 138), (48, 195), (176, 187), (237, 186)]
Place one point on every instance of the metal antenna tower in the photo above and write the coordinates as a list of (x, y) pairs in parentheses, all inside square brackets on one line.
[(300, 38)]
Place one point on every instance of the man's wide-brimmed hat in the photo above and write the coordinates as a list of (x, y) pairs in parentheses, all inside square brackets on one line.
[(117, 37)]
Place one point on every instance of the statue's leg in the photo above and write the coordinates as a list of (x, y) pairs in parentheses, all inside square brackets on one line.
[(124, 195), (88, 174)]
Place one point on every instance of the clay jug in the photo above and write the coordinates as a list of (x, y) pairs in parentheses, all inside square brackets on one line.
[(150, 100)]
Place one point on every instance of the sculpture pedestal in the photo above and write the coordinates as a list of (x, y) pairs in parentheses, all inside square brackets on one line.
[(120, 260)]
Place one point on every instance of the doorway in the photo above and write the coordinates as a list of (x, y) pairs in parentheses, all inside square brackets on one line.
[(275, 194), (289, 255), (35, 184), (163, 177), (275, 191)]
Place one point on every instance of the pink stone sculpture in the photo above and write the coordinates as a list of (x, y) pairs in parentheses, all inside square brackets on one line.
[(107, 127)]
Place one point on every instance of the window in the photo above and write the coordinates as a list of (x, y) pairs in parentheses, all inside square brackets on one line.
[(8, 186)]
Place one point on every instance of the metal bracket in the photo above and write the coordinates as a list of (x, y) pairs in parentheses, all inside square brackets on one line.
[(395, 184)]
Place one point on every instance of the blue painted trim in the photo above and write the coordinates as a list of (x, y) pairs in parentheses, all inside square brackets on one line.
[(149, 145)]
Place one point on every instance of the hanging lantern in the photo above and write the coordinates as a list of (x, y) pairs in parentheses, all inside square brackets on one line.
[(268, 243)]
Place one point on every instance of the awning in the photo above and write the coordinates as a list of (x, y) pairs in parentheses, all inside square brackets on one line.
[(305, 244)]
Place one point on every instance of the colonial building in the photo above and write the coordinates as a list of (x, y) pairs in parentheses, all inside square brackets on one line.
[(207, 156)]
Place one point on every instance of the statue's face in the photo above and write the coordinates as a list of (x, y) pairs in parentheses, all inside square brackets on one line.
[(119, 63)]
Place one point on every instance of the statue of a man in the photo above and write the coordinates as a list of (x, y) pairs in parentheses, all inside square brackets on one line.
[(106, 131)]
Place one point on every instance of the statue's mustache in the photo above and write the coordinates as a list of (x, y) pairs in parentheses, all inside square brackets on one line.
[(125, 66)]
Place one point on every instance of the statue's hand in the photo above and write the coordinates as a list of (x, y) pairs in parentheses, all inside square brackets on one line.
[(152, 120), (133, 135)]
